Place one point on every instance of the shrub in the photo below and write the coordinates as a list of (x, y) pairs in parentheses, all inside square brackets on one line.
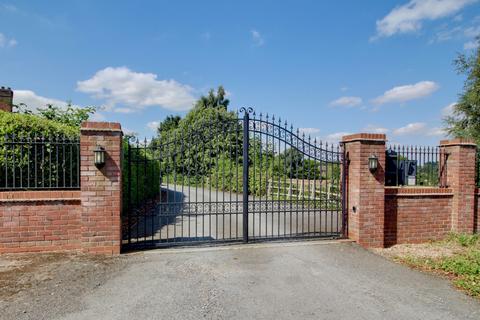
[(37, 153), (29, 125)]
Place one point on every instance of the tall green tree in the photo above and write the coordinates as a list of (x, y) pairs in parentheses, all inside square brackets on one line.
[(196, 141), (464, 122), (170, 123)]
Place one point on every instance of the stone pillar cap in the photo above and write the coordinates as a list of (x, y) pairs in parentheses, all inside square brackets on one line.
[(458, 142), (365, 137), (100, 126)]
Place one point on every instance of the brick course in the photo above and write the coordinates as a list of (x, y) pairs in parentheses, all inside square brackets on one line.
[(39, 221), (415, 215)]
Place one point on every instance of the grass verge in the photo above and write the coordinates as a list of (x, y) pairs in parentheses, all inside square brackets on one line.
[(457, 257)]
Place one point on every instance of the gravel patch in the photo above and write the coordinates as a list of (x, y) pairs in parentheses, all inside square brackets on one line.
[(41, 286)]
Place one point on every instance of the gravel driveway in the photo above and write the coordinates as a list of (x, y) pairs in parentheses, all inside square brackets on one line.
[(300, 280)]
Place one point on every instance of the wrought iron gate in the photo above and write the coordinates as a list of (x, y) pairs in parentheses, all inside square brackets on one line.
[(238, 177)]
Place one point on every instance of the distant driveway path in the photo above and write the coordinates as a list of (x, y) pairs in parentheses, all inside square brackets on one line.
[(308, 280), (192, 218)]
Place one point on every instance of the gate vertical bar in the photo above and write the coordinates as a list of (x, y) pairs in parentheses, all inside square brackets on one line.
[(246, 121)]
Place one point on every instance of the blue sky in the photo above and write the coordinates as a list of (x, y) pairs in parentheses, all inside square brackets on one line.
[(329, 67)]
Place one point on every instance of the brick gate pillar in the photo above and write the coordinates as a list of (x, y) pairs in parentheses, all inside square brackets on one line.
[(101, 188), (365, 190), (461, 172)]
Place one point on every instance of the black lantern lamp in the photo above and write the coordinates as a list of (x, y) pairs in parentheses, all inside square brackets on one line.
[(373, 163), (99, 156)]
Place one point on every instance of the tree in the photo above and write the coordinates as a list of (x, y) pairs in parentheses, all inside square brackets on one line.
[(213, 100), (193, 144), (465, 120), (170, 123), (70, 115)]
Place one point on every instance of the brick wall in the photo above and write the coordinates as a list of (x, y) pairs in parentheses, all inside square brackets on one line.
[(87, 219), (415, 215), (39, 221), (383, 216)]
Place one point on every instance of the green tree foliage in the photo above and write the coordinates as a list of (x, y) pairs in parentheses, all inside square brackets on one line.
[(465, 120), (28, 125), (70, 115), (170, 123), (207, 132)]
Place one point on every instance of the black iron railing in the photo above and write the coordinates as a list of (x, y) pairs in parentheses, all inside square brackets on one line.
[(415, 166), (29, 163)]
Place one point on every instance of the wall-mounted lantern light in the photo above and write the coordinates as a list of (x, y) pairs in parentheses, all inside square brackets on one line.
[(373, 163), (99, 159)]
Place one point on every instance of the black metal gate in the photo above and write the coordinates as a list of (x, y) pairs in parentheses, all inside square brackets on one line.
[(234, 178)]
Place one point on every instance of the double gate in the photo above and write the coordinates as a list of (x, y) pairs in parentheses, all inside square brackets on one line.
[(232, 178)]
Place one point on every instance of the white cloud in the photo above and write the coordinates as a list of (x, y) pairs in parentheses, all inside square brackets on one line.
[(309, 131), (411, 128), (153, 125), (375, 129), (470, 45), (257, 38), (129, 132), (34, 101), (137, 90), (97, 117), (448, 110), (436, 132), (408, 17), (346, 102), (408, 92), (472, 32), (337, 136), (124, 110), (7, 42), (447, 34)]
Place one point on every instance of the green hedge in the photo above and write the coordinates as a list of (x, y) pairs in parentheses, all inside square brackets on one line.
[(37, 153), (28, 125)]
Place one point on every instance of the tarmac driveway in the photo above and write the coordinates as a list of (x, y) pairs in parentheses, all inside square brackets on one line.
[(304, 280)]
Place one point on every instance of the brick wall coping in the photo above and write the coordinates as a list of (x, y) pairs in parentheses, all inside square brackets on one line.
[(458, 142), (48, 195), (365, 137), (417, 191), (101, 126)]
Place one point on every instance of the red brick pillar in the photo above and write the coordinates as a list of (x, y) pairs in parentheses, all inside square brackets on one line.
[(6, 99), (461, 162), (365, 190), (101, 188)]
